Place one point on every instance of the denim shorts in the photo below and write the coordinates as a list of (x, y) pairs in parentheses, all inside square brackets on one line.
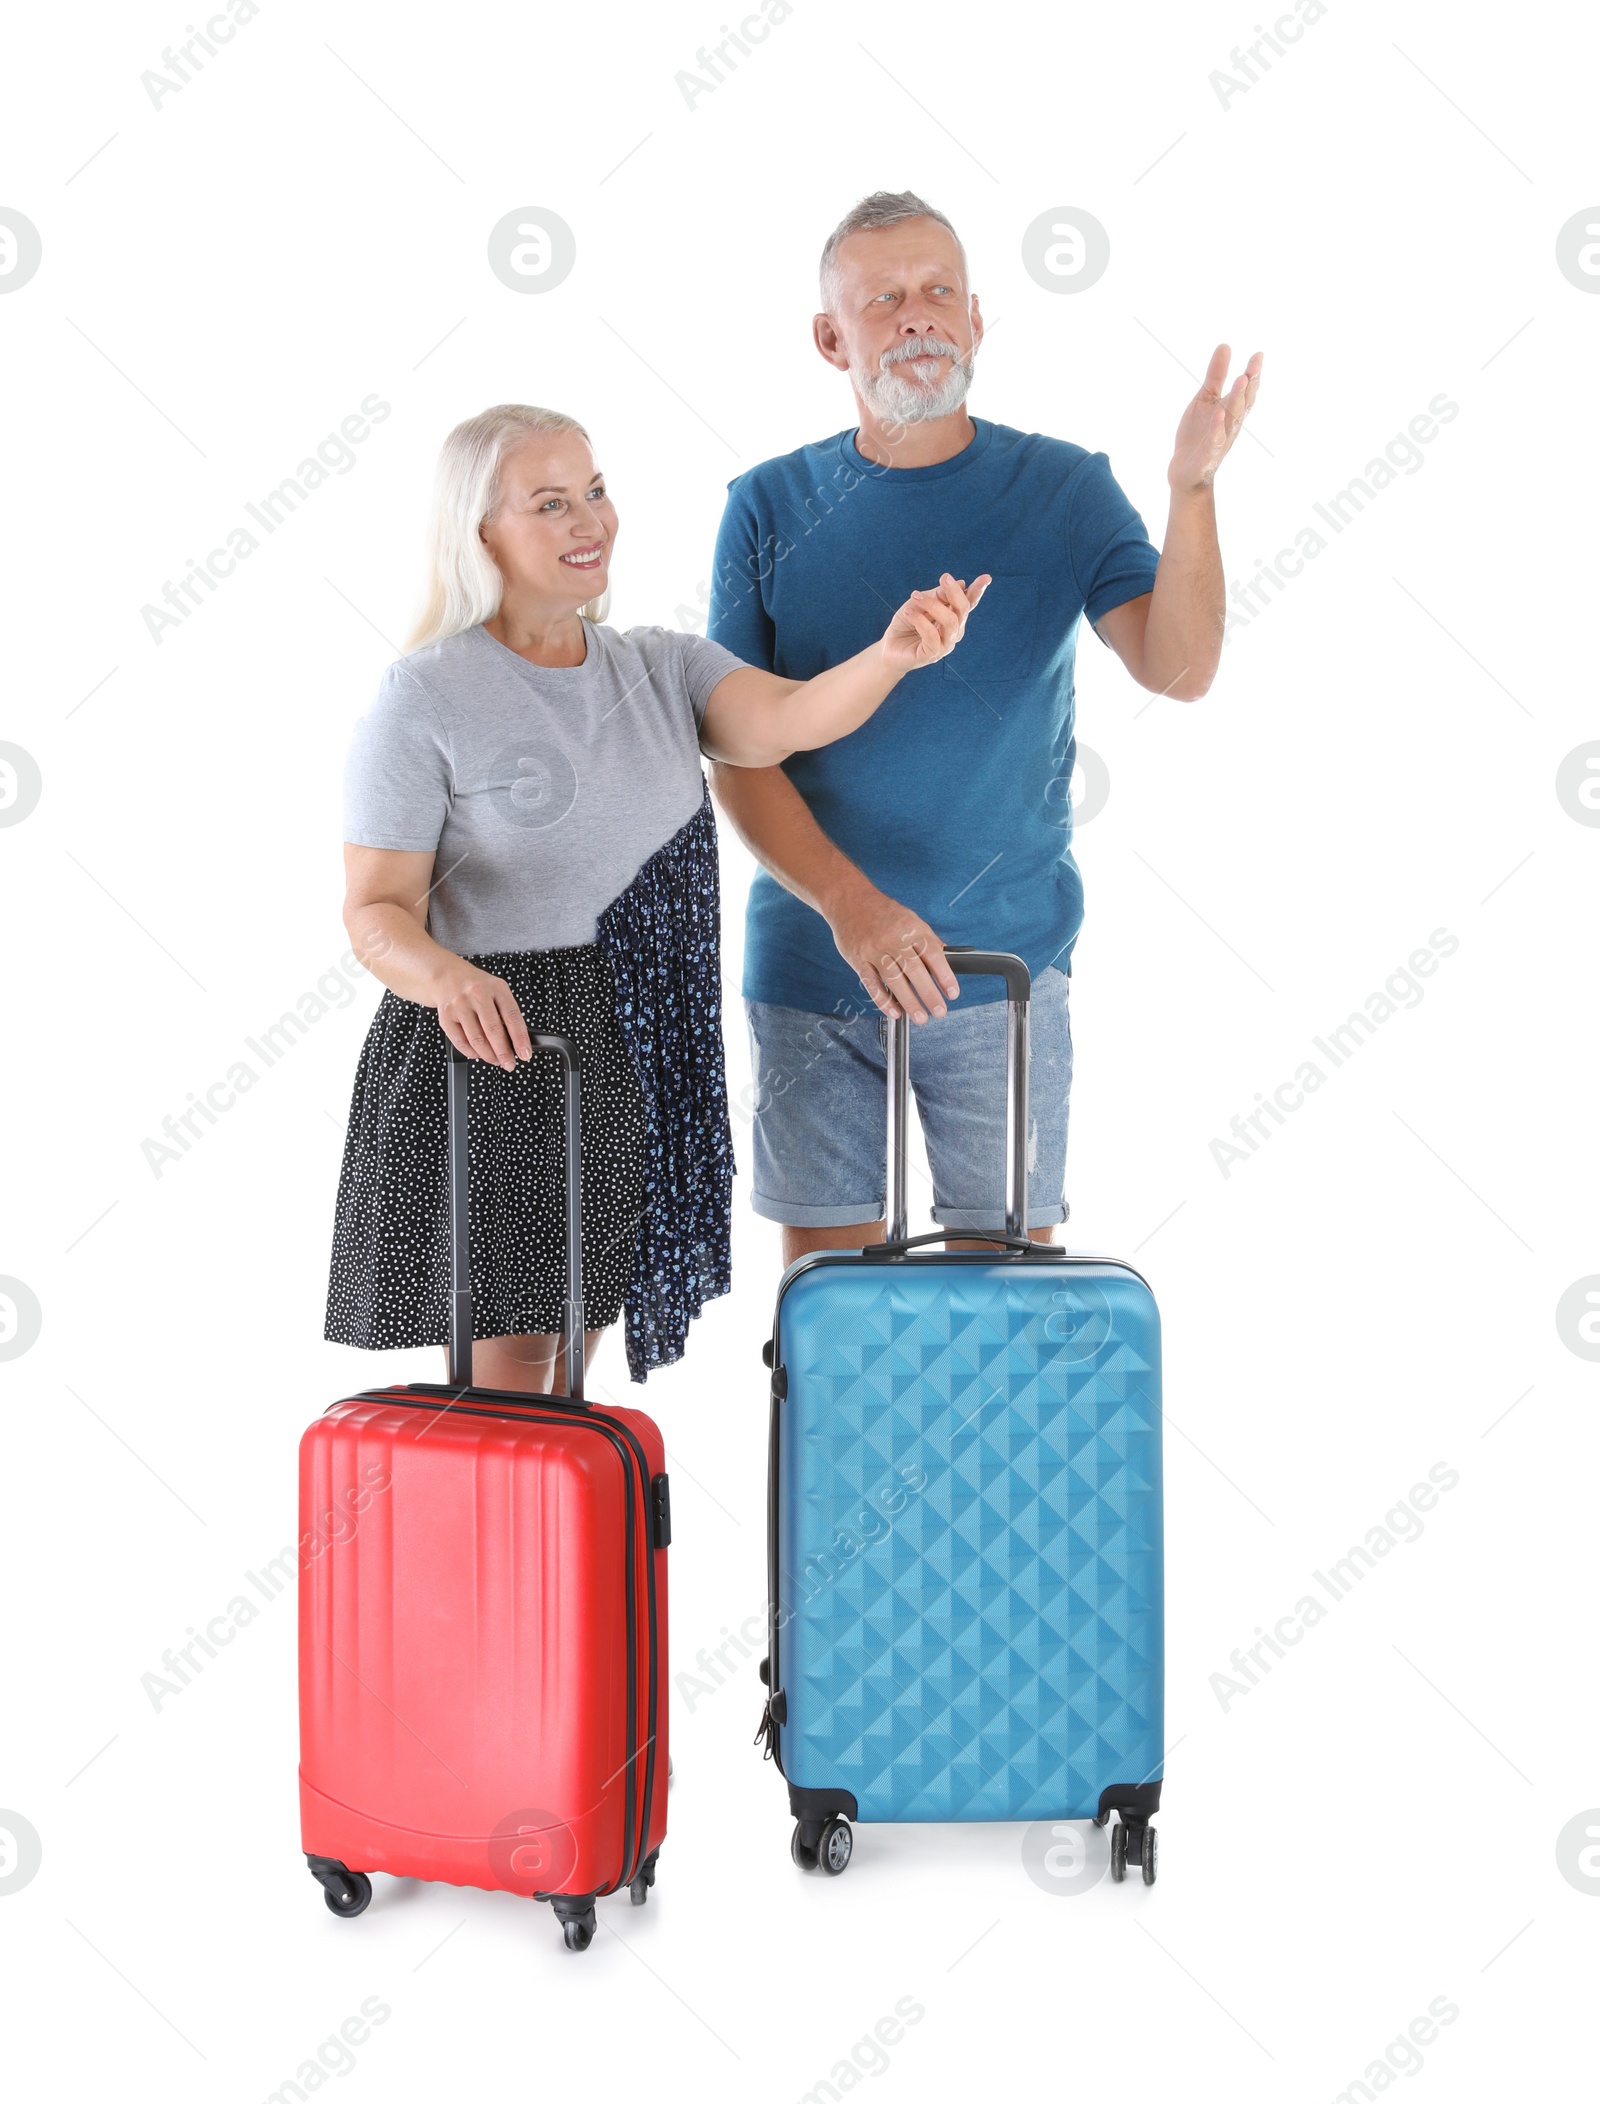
[(820, 1111)]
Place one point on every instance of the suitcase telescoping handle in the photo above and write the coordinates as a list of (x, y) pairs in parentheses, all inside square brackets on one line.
[(459, 1081), (975, 964)]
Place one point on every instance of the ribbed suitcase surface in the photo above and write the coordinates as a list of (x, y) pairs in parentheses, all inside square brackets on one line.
[(480, 1641), (969, 1596)]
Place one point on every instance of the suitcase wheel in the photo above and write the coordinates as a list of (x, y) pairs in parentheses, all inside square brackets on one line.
[(639, 1890), (823, 1844), (347, 1892), (354, 1898), (835, 1848), (578, 1924), (1133, 1842)]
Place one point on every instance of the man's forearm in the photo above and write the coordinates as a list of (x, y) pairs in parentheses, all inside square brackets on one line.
[(772, 819), (897, 957), (1183, 627)]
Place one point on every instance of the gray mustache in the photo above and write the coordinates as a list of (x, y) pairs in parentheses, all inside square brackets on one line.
[(919, 347)]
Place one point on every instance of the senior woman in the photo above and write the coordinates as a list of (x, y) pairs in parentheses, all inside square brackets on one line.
[(529, 846)]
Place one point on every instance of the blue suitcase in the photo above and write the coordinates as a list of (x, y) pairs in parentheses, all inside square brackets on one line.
[(964, 1521)]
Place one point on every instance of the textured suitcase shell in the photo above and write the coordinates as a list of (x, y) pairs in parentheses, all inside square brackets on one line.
[(967, 1504), (472, 1709)]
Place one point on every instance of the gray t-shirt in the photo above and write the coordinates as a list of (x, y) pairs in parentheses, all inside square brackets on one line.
[(539, 790)]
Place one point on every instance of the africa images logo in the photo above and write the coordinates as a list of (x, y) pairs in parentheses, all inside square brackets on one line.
[(533, 785)]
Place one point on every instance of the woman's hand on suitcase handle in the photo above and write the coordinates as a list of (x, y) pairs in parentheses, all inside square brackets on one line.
[(480, 1016), (386, 912)]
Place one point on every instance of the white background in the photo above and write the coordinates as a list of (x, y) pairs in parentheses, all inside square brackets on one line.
[(1373, 1292)]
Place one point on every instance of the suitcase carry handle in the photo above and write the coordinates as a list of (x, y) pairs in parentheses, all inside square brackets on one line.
[(999, 964), (1023, 1245), (458, 1082)]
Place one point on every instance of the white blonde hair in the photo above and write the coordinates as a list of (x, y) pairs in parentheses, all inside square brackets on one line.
[(464, 582)]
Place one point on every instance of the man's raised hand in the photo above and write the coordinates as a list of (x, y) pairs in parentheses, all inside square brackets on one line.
[(931, 624), (1212, 421)]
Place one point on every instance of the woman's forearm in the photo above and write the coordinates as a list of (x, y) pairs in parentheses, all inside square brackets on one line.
[(401, 954), (835, 702), (755, 719), (385, 909)]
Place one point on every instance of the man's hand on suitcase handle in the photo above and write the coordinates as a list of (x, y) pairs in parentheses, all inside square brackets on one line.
[(480, 1016), (892, 951)]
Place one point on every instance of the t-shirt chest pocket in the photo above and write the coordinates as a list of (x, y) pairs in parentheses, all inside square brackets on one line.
[(999, 646)]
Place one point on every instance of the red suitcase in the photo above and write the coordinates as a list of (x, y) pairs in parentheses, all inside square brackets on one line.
[(483, 1620)]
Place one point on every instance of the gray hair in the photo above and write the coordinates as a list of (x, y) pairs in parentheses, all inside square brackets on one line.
[(882, 208), (464, 581)]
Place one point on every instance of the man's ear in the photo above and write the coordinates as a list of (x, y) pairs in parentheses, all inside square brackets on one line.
[(977, 324), (826, 338)]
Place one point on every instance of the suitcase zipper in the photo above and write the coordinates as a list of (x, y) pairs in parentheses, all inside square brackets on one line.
[(767, 1730), (625, 1442)]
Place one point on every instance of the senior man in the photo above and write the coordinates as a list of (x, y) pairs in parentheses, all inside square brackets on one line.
[(947, 818)]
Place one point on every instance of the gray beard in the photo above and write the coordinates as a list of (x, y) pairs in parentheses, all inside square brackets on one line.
[(900, 400)]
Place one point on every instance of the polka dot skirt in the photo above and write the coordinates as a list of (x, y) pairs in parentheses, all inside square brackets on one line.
[(389, 1283)]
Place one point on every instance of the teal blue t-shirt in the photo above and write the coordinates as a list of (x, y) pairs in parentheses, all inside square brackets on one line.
[(954, 798)]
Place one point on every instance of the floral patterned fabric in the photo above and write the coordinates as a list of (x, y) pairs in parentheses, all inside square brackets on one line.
[(662, 939)]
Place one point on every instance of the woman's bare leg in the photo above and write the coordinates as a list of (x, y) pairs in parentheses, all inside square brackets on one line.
[(529, 1365)]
